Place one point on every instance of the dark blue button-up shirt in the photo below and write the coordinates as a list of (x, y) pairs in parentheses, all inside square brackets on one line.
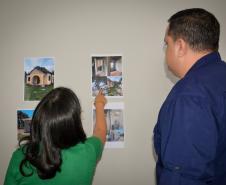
[(190, 135)]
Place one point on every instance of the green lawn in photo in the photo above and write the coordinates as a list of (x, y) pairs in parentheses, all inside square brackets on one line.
[(115, 90), (36, 93), (112, 91)]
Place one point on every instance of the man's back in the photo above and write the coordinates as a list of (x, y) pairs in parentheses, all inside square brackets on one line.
[(190, 136), (212, 79)]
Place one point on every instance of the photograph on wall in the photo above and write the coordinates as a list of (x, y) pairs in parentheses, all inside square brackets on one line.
[(23, 123), (38, 77), (115, 126), (107, 75)]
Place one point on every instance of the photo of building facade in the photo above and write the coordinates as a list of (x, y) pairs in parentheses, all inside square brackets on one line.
[(40, 76)]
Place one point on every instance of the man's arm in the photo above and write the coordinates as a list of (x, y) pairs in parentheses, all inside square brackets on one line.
[(188, 142)]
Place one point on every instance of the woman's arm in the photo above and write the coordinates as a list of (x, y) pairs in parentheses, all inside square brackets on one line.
[(100, 128)]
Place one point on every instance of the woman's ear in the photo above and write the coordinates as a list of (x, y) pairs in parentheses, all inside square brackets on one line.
[(181, 47)]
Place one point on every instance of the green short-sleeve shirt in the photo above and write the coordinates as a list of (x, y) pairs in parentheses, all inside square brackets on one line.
[(78, 166)]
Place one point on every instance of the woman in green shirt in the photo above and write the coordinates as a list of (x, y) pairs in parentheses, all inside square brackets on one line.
[(57, 152)]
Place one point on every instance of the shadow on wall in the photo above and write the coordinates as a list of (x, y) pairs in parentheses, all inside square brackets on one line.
[(174, 80), (154, 156), (170, 75)]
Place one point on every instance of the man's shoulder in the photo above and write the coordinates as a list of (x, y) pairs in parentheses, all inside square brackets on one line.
[(187, 87)]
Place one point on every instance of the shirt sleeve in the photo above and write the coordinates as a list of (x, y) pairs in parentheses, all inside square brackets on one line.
[(97, 145), (188, 141)]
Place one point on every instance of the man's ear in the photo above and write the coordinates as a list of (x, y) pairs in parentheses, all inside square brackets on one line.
[(181, 47)]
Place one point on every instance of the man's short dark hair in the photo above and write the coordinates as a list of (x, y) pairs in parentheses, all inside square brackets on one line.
[(198, 27)]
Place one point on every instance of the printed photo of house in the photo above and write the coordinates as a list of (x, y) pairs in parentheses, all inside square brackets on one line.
[(99, 66), (23, 123), (38, 77), (99, 83), (107, 68), (114, 85), (115, 127), (115, 66)]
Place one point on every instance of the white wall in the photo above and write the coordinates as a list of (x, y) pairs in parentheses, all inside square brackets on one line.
[(73, 30)]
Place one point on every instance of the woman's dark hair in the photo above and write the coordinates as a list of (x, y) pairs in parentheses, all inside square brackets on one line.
[(55, 125), (198, 27)]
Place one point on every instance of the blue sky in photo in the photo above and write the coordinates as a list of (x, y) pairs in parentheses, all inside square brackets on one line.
[(28, 112), (31, 63)]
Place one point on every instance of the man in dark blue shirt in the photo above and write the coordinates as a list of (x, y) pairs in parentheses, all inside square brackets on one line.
[(190, 135)]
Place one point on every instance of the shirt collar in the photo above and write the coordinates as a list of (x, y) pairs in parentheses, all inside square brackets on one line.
[(209, 58)]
